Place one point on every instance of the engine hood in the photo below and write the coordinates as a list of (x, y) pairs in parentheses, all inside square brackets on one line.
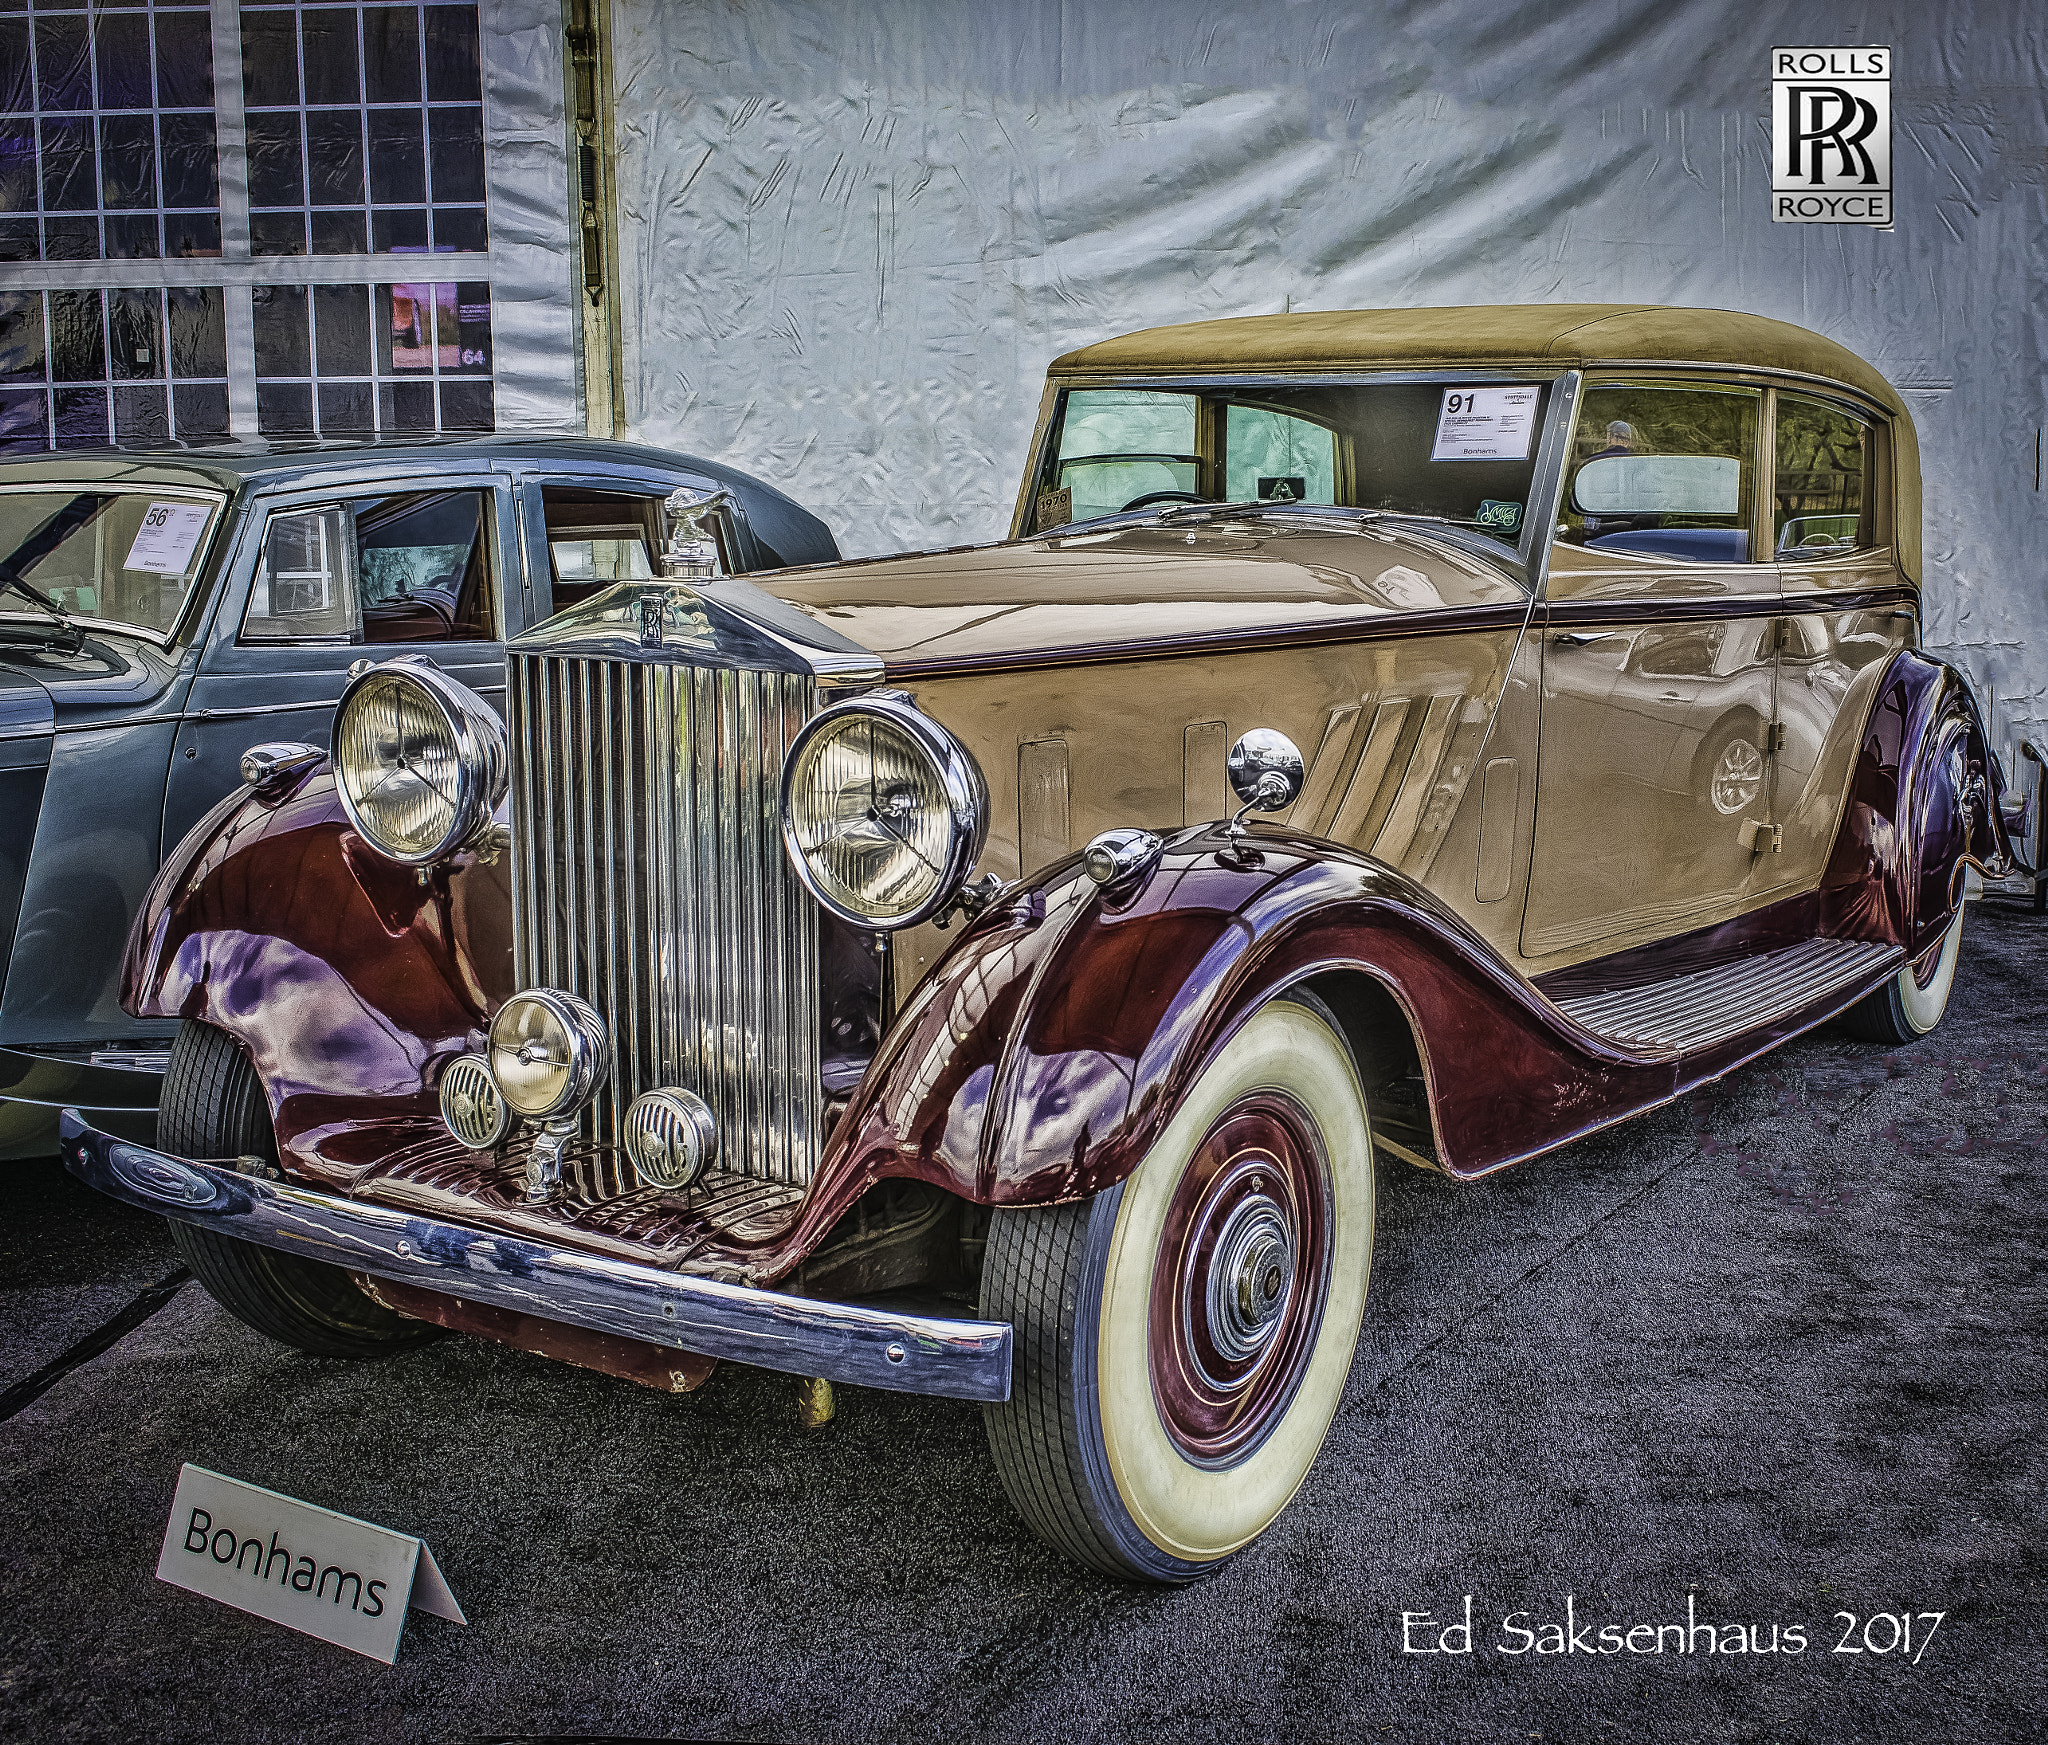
[(1128, 591)]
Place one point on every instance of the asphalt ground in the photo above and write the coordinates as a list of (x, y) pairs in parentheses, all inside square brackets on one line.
[(1772, 1354)]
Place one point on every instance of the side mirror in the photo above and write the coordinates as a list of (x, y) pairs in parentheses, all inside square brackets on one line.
[(1266, 773)]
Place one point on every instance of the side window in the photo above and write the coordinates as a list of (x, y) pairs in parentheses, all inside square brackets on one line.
[(1664, 472), (412, 567), (306, 584), (596, 538), (1269, 457), (1120, 444), (1822, 462)]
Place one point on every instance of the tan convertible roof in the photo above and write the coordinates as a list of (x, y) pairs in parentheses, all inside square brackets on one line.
[(1563, 335)]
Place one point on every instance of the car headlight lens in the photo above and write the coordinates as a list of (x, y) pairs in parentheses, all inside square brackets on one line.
[(884, 812), (549, 1053), (419, 761)]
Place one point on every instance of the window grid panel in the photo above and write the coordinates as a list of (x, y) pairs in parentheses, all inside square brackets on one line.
[(420, 146), (76, 129), (423, 364), (80, 369)]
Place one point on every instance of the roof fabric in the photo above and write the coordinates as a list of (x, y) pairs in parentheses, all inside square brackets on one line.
[(852, 239)]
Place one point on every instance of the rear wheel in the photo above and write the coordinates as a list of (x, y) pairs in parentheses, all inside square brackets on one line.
[(1183, 1339), (213, 1106), (1908, 1006)]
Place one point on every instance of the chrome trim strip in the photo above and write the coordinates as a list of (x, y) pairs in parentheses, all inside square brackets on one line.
[(839, 1342)]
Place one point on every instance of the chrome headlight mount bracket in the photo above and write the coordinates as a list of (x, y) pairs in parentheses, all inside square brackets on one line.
[(966, 800)]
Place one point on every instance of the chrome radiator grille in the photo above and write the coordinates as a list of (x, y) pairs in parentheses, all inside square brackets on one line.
[(648, 876)]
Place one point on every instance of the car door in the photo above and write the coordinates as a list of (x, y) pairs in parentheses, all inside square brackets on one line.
[(391, 563), (1659, 674)]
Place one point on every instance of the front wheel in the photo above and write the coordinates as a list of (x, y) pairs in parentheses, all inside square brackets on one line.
[(1182, 1339), (213, 1106), (1908, 1006)]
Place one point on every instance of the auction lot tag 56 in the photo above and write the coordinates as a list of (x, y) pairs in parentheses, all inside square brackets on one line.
[(332, 1576)]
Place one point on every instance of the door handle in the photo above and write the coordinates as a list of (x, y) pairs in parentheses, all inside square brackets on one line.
[(1580, 638)]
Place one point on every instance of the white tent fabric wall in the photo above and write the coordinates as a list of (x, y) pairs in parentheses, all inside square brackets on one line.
[(851, 237)]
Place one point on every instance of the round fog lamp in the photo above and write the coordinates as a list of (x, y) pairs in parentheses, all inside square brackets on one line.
[(549, 1053), (472, 1105), (671, 1137)]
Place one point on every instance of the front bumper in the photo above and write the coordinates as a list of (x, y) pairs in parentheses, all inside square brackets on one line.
[(840, 1342)]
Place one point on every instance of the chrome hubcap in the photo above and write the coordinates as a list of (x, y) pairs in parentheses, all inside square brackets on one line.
[(1250, 1278), (1740, 775)]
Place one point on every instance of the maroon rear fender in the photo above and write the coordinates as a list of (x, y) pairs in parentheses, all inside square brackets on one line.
[(347, 978)]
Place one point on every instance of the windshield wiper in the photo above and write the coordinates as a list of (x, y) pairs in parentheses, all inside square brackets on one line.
[(37, 546), (8, 579)]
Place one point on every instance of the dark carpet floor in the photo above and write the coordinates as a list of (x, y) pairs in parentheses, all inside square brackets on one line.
[(1768, 1361)]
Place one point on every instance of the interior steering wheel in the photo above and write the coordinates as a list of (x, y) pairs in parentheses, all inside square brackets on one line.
[(1151, 497)]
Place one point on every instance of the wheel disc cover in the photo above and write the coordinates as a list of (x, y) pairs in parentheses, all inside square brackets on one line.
[(1241, 1280), (1738, 777)]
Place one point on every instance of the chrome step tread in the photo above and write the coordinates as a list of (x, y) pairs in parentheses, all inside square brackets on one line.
[(1708, 1006)]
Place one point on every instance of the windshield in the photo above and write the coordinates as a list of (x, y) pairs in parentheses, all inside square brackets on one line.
[(109, 557), (1463, 451)]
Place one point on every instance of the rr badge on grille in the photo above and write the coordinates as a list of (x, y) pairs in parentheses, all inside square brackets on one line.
[(652, 609)]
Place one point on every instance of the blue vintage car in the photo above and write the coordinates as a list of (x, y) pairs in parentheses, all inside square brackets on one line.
[(162, 613)]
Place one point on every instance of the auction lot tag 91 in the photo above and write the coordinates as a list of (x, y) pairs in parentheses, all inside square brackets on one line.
[(1485, 424), (327, 1575)]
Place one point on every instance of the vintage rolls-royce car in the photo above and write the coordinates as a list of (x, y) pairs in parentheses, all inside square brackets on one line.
[(1413, 737), (161, 613)]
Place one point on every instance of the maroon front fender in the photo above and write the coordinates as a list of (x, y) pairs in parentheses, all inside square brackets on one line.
[(1041, 1059), (346, 978)]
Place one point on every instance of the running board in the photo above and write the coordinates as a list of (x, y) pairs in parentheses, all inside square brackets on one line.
[(1696, 1011)]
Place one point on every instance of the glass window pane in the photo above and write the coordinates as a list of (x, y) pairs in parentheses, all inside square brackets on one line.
[(21, 336), (199, 345), (284, 408), (1128, 421), (135, 340), (340, 233), (458, 140), (406, 332), (201, 411), (191, 234), (82, 418), (63, 73), (270, 59), (141, 415), (132, 238), (282, 346), (334, 156), (70, 176), (347, 407), (423, 568), (1271, 458), (20, 240), (452, 75), (17, 94), (398, 163), (17, 166), (305, 587), (460, 229), (190, 167), (466, 406), (127, 161), (1822, 461), (78, 350), (276, 169), (402, 230), (277, 233), (472, 349), (122, 47), (24, 420), (330, 37), (391, 54), (341, 321), (71, 239), (406, 406), (1664, 472), (184, 60)]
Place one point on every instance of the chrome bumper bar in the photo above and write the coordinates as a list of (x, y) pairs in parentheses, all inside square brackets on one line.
[(840, 1342)]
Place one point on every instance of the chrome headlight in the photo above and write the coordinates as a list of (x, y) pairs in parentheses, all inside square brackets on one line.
[(884, 812), (549, 1053), (419, 761)]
